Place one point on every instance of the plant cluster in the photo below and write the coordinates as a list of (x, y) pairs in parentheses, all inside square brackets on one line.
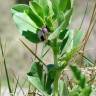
[(47, 21)]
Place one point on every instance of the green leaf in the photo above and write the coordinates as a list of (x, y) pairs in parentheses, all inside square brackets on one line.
[(63, 88), (55, 6), (37, 1), (24, 23), (75, 91), (68, 5), (62, 26), (42, 79), (69, 55), (35, 17), (69, 45), (56, 33), (51, 13), (63, 43), (49, 23), (86, 91), (50, 78), (82, 81), (19, 8), (36, 70), (76, 72), (35, 77), (52, 70), (38, 9), (44, 5), (64, 5), (78, 75), (62, 34), (33, 37), (78, 38)]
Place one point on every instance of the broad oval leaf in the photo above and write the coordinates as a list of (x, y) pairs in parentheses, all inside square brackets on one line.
[(33, 37), (68, 5), (35, 77), (63, 4), (24, 23), (37, 8), (62, 26), (40, 79), (35, 17), (55, 6), (19, 8), (45, 7)]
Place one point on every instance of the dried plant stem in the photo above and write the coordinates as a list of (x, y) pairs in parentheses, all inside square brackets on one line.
[(18, 83), (84, 16), (33, 53), (86, 58), (90, 28), (6, 71), (88, 33), (92, 79), (29, 89), (0, 78), (36, 47), (16, 86), (31, 93), (21, 86)]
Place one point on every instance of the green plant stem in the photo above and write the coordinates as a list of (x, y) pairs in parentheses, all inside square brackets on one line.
[(56, 84), (56, 78), (55, 59), (55, 53)]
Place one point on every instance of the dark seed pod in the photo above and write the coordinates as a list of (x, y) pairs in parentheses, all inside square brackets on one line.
[(43, 34), (44, 30)]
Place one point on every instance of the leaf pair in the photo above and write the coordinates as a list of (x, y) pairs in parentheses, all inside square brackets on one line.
[(60, 6), (28, 20), (38, 14), (62, 26), (41, 79), (78, 75)]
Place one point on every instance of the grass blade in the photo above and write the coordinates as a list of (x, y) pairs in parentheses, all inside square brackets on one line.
[(16, 86), (33, 53), (6, 71)]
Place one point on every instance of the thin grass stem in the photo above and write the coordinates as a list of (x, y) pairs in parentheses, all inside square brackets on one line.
[(33, 53), (16, 85), (6, 71)]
